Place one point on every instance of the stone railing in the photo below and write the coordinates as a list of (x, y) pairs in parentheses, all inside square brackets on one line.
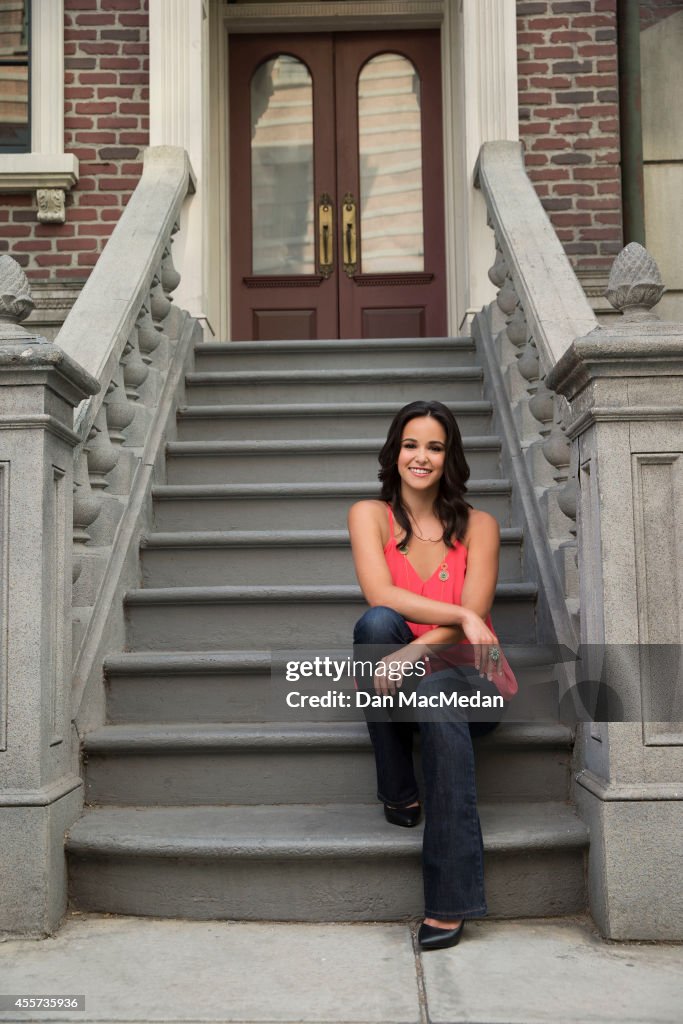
[(83, 426), (540, 308)]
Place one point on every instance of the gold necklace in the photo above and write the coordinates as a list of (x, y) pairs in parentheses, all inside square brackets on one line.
[(443, 568)]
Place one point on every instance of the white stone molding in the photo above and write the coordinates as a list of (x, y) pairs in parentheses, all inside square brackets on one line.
[(47, 166), (178, 39), (334, 16), (50, 205), (486, 102), (479, 68)]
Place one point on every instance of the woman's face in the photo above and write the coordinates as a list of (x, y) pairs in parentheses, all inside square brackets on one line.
[(422, 453)]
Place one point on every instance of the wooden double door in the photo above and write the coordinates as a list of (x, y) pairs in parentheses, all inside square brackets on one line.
[(336, 181)]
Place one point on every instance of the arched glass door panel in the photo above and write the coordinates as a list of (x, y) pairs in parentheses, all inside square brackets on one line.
[(390, 157), (282, 208)]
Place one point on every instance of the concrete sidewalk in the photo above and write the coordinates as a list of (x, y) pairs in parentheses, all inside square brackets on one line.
[(503, 972)]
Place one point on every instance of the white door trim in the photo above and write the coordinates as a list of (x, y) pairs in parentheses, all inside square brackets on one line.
[(480, 104)]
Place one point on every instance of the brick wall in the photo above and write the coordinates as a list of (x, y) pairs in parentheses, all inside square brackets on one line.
[(106, 58), (569, 121)]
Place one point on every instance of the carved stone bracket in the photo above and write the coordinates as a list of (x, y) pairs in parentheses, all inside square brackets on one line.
[(51, 205)]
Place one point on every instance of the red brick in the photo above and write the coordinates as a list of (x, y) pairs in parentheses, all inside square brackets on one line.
[(80, 5), (37, 275), (132, 168), (551, 143), (607, 66), (116, 184), (532, 67), (120, 63), (133, 48), (597, 234), (117, 122), (141, 20), (555, 113), (599, 81), (611, 125), (58, 231), (575, 189), (594, 110), (96, 137), (574, 127), (535, 159), (73, 275), (569, 36), (555, 52), (99, 48), (134, 108), (612, 187), (134, 78), (16, 230), (74, 34), (77, 122), (594, 172), (530, 37), (551, 82), (551, 174), (88, 259), (111, 214), (120, 5), (77, 244), (608, 218), (96, 107), (597, 204), (596, 49), (535, 128), (134, 138), (592, 20), (571, 219), (120, 92), (94, 19), (542, 23), (612, 157), (95, 230), (99, 200), (78, 213), (98, 78), (600, 142), (53, 260), (606, 5), (535, 97)]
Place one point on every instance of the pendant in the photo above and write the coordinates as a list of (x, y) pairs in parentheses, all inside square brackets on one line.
[(444, 574)]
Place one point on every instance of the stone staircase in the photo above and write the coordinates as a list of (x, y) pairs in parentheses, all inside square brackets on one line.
[(200, 801)]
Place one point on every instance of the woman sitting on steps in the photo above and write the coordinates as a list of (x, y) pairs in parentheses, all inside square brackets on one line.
[(427, 563)]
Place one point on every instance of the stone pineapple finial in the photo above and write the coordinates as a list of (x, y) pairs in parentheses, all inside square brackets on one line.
[(635, 284), (15, 302)]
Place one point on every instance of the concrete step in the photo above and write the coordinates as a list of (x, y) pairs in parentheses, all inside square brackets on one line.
[(329, 461), (315, 420), (297, 763), (237, 686), (193, 557), (444, 383), (288, 507), (332, 862), (280, 617), (375, 353)]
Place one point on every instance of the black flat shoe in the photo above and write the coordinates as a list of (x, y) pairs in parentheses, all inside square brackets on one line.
[(430, 937), (408, 817)]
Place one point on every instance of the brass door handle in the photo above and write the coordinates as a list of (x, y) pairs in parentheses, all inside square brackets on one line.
[(325, 235), (350, 238)]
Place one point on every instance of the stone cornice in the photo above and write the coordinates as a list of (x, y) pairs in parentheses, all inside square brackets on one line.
[(24, 172)]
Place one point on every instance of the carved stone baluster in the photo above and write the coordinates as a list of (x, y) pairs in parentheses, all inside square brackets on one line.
[(102, 459), (148, 337), (170, 278), (135, 375)]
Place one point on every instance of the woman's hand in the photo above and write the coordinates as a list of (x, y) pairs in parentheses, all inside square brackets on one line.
[(484, 641), (385, 680)]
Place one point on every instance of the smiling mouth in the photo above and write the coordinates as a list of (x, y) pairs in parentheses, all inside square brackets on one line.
[(419, 472)]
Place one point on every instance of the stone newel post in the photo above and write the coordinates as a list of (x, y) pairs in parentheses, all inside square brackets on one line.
[(40, 788), (624, 386)]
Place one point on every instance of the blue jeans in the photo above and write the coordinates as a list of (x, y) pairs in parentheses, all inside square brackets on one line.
[(452, 848)]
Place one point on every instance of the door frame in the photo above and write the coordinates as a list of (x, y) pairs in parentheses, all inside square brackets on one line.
[(479, 78)]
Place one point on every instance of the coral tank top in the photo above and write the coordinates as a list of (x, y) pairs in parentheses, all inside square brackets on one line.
[(404, 575)]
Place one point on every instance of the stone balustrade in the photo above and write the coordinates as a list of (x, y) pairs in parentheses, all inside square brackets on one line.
[(84, 422)]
